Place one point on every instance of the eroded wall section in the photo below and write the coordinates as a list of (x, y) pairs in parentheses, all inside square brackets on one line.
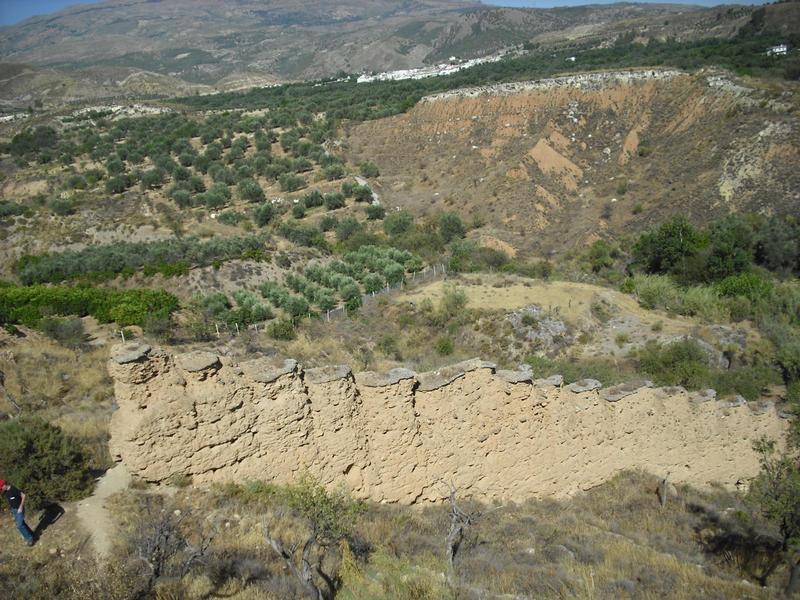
[(396, 436)]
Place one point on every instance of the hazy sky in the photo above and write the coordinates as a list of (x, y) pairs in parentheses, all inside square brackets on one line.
[(551, 3), (13, 11)]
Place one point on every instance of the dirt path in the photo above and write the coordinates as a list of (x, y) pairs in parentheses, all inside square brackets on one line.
[(92, 512)]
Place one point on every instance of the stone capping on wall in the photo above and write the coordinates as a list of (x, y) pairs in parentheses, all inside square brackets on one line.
[(387, 436), (264, 370)]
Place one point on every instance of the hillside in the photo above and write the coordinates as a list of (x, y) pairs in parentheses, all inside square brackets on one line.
[(200, 42), (526, 329), (553, 164)]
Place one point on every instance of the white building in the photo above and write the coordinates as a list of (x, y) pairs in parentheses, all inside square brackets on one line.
[(779, 50)]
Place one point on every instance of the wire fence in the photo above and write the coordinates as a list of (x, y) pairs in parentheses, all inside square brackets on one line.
[(424, 276)]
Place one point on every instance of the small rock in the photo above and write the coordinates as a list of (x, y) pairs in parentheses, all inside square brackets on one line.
[(194, 362), (558, 553), (762, 408), (703, 396), (618, 392), (553, 380), (738, 400), (514, 376), (327, 374), (130, 352), (375, 379), (584, 385)]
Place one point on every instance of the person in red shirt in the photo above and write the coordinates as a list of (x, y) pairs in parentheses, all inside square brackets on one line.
[(16, 502)]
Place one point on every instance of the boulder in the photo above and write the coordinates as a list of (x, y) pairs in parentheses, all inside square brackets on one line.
[(195, 362)]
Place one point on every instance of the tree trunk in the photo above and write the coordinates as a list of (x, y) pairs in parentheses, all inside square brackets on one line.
[(794, 578)]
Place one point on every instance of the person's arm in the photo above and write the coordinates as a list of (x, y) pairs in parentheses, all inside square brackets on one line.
[(22, 502)]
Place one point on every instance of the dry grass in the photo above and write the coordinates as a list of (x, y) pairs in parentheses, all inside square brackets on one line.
[(68, 387), (612, 542)]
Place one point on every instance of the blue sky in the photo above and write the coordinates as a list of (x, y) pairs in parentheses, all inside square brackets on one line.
[(13, 11)]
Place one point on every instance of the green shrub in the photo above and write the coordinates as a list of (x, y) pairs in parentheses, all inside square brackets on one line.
[(467, 256), (282, 329), (313, 199), (334, 172), (291, 182), (347, 228), (107, 260), (655, 291), (451, 227), (28, 305), (679, 363), (264, 214), (369, 170), (303, 235), (375, 212), (362, 193), (444, 346), (43, 461), (703, 302), (748, 285), (68, 332), (398, 223), (298, 210), (606, 371), (62, 207), (667, 248), (748, 381), (334, 200), (231, 217), (250, 191), (542, 269), (328, 223), (788, 358)]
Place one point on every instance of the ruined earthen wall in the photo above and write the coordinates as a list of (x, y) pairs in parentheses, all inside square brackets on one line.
[(396, 436)]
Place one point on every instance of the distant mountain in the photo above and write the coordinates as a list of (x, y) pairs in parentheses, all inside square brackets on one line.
[(208, 41)]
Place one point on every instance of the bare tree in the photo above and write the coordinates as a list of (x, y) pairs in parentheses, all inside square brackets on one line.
[(328, 518), (159, 543), (460, 521)]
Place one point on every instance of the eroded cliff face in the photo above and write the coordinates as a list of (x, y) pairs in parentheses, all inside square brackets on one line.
[(554, 163), (396, 436)]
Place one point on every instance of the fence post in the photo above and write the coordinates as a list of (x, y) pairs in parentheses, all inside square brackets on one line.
[(329, 316), (237, 328), (122, 335), (216, 326)]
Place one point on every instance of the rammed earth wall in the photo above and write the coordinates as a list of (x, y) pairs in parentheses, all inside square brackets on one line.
[(395, 436)]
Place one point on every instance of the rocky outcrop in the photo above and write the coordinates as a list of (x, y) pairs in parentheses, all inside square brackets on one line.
[(395, 436)]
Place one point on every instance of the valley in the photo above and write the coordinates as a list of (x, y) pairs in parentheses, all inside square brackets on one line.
[(280, 317)]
